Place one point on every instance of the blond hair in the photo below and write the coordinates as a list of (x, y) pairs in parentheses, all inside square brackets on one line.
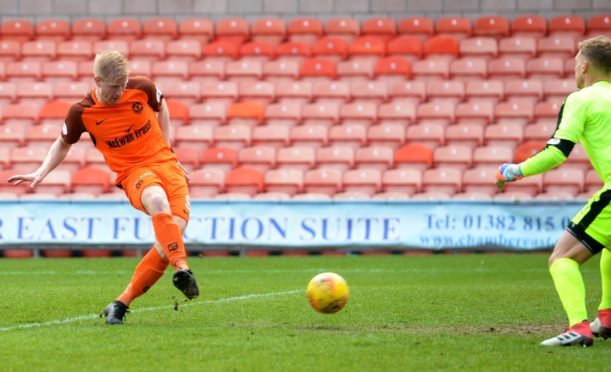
[(597, 51), (110, 65)]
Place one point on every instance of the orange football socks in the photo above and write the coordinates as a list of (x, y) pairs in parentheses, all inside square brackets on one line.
[(168, 234), (148, 271)]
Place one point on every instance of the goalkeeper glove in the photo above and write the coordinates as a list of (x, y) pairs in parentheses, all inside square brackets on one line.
[(508, 173)]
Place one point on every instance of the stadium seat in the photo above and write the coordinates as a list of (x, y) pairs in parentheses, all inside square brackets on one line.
[(414, 156), (94, 157), (6, 188), (480, 180), (259, 92), (390, 135), (199, 29), (184, 50), (592, 181), (296, 157), (20, 113), (494, 26), (363, 180), (457, 27), (455, 156), (37, 93), (160, 29), (351, 196), (331, 48), (467, 134), (368, 93), (281, 71), (288, 181), (510, 134), (74, 50), (305, 30), (381, 28), (518, 47), (54, 111), (475, 196), (234, 136), (179, 112), (483, 47), (492, 156), (269, 30), (194, 135), (475, 112), (261, 158), (221, 50), (336, 92), (121, 46), (147, 49), (397, 112), (514, 112), (445, 91), (436, 112), (567, 25), (355, 70), (335, 157), (374, 157), (540, 131), (188, 156), (441, 46), (527, 149), (220, 158), (348, 135), (187, 92), (43, 134), (10, 50), (128, 29), (344, 28), (293, 51), (558, 89), (311, 196), (53, 29), (285, 113), (260, 51), (207, 70), (233, 196), (24, 71), (245, 113), (563, 180), (408, 181), (599, 25), (431, 69), (210, 114), (275, 136), (275, 196), (532, 185), (486, 90), (232, 30), (70, 91), (313, 135), (170, 70), (412, 92), (405, 46), (90, 29), (557, 46), (244, 180), (223, 91), (75, 159), (529, 25), (140, 67), (325, 113), (367, 48), (359, 112), (545, 68), (17, 29), (28, 159), (443, 180), (243, 70), (420, 27), (91, 179), (316, 69), (530, 91), (55, 183), (323, 181), (430, 134), (578, 159), (392, 69), (506, 68), (12, 135)]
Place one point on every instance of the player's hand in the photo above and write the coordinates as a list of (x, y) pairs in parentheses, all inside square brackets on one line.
[(185, 171), (508, 173), (33, 178)]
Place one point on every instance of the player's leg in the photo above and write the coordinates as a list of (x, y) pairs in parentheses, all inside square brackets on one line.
[(601, 326)]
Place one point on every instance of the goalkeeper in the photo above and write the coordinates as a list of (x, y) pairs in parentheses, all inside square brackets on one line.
[(584, 117)]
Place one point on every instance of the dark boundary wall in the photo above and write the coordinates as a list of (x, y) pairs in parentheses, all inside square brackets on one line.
[(35, 10)]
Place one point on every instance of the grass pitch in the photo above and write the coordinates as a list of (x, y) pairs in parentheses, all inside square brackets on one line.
[(454, 312)]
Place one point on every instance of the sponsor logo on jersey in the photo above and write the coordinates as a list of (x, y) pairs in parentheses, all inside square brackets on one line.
[(137, 107)]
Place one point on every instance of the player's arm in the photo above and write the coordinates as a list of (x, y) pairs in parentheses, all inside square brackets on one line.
[(57, 152), (164, 121)]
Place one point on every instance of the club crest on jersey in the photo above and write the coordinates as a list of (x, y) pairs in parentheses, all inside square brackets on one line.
[(137, 107)]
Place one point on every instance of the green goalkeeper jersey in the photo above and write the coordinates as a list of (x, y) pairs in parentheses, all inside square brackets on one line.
[(585, 117)]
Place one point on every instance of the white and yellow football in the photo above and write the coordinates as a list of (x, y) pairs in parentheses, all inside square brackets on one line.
[(328, 293)]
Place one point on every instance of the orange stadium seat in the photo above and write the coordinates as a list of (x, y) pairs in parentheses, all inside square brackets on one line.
[(348, 135), (184, 49), (10, 50), (233, 30), (188, 156), (258, 50), (510, 134), (420, 27), (244, 180), (261, 158), (431, 69), (457, 27), (374, 157), (529, 25), (495, 26), (569, 25), (567, 180), (147, 49), (456, 156), (515, 112), (245, 113), (331, 91), (318, 68), (306, 30), (323, 181), (428, 134), (285, 113), (414, 155), (269, 30), (38, 50), (392, 69), (475, 112), (599, 25), (224, 91), (545, 68), (194, 135), (344, 28), (243, 70), (486, 90), (179, 111), (408, 181), (354, 70), (325, 113), (53, 29), (412, 91), (518, 47), (288, 181), (382, 28), (467, 134), (261, 92), (436, 112), (127, 29), (557, 46), (335, 157), (206, 183), (160, 29), (524, 90), (222, 158), (296, 157), (369, 93), (55, 110), (443, 180), (480, 180), (479, 46), (390, 135), (492, 156), (293, 50), (527, 149), (276, 136), (221, 50), (281, 71), (363, 180), (121, 46), (445, 91), (406, 46), (17, 29), (91, 29), (369, 48), (59, 70), (211, 114), (441, 45), (207, 70), (506, 68), (91, 180), (200, 29), (399, 112), (74, 50), (314, 135), (232, 136)]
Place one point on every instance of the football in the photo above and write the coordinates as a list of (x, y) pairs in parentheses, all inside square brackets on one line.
[(328, 293)]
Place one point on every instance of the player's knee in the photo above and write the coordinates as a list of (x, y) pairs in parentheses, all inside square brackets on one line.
[(155, 201)]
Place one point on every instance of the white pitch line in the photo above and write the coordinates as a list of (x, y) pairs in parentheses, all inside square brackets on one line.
[(147, 309)]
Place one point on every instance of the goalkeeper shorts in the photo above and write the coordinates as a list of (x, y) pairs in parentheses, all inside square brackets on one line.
[(592, 224)]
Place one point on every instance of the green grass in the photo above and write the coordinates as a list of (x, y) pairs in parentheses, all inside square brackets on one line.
[(466, 312)]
